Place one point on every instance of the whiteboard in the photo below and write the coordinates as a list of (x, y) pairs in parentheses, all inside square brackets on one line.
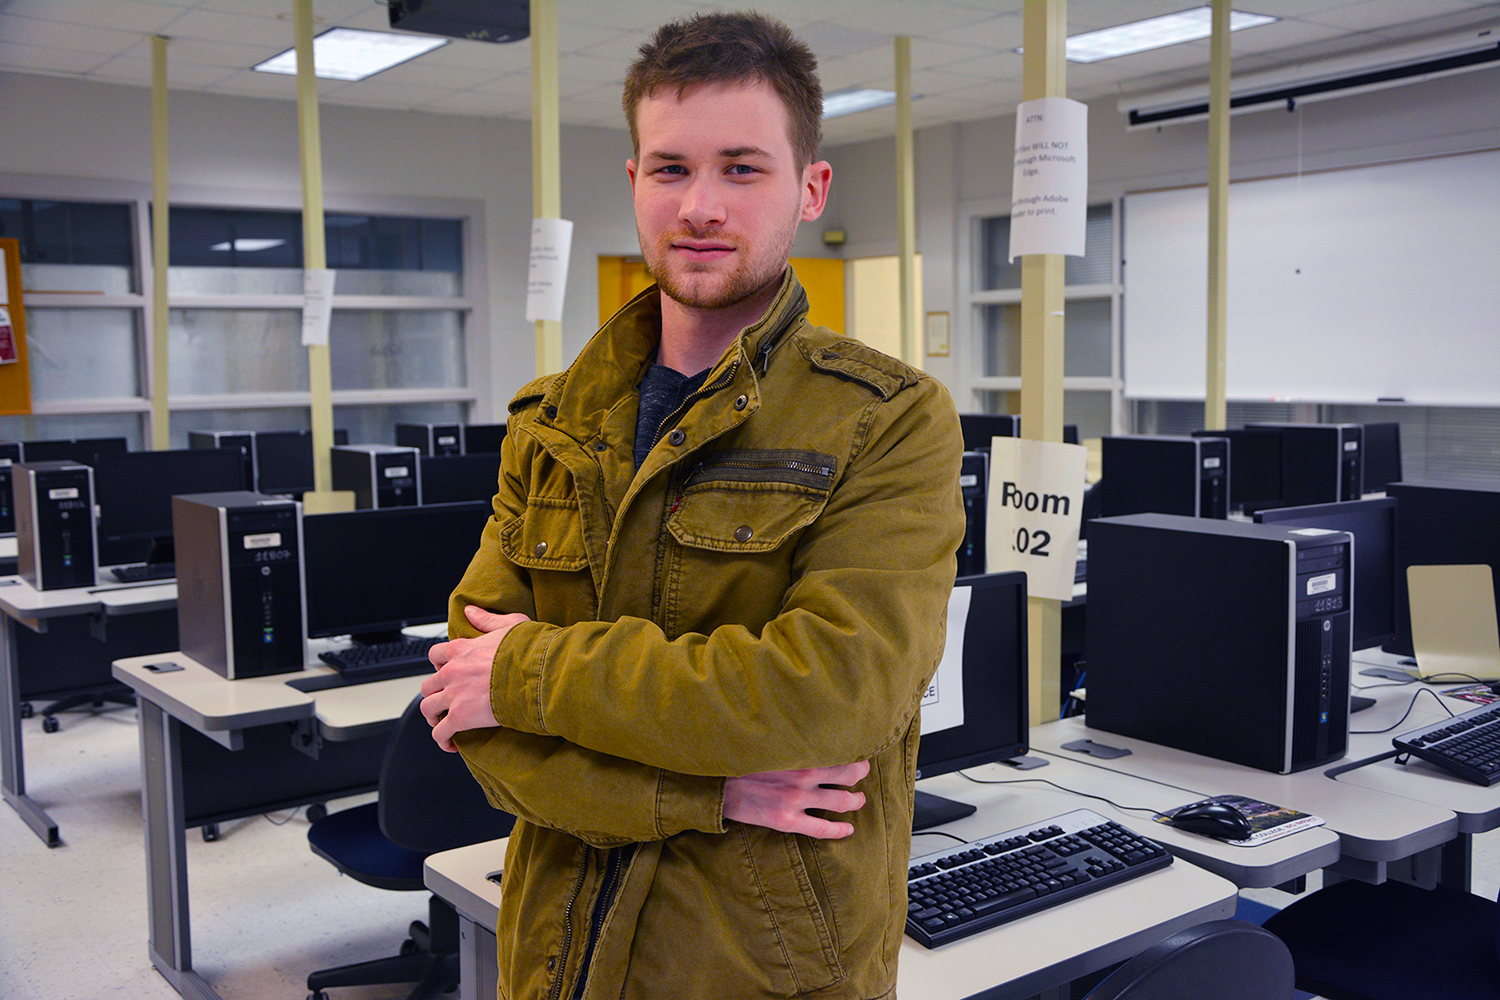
[(1344, 287)]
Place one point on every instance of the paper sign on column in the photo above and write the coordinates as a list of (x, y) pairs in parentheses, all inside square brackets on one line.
[(1035, 505), (551, 242), (317, 305), (8, 352), (1050, 185), (943, 703)]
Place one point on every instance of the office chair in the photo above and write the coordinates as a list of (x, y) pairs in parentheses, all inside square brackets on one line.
[(1223, 959), (428, 803), (1393, 941)]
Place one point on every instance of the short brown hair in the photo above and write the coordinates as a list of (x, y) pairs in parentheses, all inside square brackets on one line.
[(732, 48)]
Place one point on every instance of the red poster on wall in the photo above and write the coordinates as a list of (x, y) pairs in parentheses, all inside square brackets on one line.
[(8, 352)]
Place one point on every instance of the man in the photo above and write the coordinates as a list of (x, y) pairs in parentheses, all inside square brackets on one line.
[(714, 587)]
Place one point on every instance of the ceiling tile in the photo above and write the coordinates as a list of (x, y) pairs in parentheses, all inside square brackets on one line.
[(121, 15), (53, 62), (58, 35)]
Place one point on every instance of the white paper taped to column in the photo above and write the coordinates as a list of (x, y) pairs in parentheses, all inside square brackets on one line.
[(317, 305), (1050, 185), (943, 703), (547, 279)]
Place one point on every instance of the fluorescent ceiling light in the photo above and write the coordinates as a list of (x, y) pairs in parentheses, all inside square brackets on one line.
[(351, 54), (248, 245), (847, 102), (1154, 33)]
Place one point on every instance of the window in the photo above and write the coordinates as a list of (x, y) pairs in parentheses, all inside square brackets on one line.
[(399, 340)]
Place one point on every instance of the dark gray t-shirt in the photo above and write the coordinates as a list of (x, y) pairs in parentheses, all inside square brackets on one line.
[(662, 391)]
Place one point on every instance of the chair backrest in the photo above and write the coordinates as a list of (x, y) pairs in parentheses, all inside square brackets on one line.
[(1223, 959), (429, 801)]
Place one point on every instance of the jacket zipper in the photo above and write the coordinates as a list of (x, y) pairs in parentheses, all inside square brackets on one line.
[(704, 390), (617, 857), (765, 465), (562, 958)]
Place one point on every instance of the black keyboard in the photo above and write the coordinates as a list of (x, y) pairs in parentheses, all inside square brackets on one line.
[(140, 572), (1466, 745), (402, 658), (960, 890)]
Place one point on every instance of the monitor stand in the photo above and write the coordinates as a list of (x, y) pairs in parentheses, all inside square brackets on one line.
[(933, 810), (930, 810)]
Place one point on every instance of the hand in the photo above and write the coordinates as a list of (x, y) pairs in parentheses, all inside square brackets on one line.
[(457, 696), (779, 800)]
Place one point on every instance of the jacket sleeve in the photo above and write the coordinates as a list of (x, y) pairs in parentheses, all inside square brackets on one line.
[(599, 798), (835, 677)]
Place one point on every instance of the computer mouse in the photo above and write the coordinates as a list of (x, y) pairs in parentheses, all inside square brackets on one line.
[(1213, 819)]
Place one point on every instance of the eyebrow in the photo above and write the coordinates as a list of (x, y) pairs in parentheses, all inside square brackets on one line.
[(729, 153)]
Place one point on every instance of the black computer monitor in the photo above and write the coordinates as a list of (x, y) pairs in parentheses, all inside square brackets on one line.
[(82, 450), (1254, 466), (1373, 525), (371, 573), (134, 491), (284, 460), (1443, 524), (482, 438), (979, 428), (456, 478), (995, 700), (1382, 456)]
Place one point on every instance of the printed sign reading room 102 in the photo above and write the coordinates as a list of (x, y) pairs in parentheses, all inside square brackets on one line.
[(1029, 541)]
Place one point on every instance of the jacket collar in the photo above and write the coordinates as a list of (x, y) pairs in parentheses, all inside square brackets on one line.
[(615, 359)]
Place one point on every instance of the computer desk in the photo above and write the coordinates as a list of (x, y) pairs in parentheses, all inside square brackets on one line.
[(1014, 961), (230, 713), (1476, 806), (23, 604), (1375, 829)]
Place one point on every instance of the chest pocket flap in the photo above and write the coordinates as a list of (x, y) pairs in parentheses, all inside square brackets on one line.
[(549, 535), (745, 500)]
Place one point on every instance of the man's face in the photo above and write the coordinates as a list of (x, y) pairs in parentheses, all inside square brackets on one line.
[(718, 191)]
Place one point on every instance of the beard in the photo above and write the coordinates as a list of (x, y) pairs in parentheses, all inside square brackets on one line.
[(706, 285)]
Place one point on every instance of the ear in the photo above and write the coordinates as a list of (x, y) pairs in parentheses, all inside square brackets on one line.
[(815, 180), (630, 169)]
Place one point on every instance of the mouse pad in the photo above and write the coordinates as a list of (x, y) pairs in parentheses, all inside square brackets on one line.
[(1267, 822)]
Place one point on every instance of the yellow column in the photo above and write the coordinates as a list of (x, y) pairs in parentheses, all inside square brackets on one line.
[(161, 417), (1215, 404), (1044, 75), (546, 156), (315, 257), (906, 205)]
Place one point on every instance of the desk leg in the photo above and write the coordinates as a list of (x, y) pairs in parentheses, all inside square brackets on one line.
[(12, 763), (166, 851)]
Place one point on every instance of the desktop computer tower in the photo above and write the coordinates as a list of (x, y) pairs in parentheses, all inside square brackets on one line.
[(243, 440), (1320, 463), (381, 475), (10, 454), (1222, 638), (1164, 474), (432, 439), (56, 537), (973, 482), (240, 604)]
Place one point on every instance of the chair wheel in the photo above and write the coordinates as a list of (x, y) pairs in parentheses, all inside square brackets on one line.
[(317, 995), (50, 724), (316, 811), (210, 832), (26, 710)]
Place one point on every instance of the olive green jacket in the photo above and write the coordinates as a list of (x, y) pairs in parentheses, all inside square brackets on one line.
[(768, 592)]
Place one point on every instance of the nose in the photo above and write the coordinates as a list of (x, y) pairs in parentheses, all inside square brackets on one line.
[(702, 204)]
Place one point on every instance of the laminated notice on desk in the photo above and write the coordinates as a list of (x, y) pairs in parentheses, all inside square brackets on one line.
[(1267, 822)]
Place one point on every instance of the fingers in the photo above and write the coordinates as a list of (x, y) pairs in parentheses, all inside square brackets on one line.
[(489, 621)]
